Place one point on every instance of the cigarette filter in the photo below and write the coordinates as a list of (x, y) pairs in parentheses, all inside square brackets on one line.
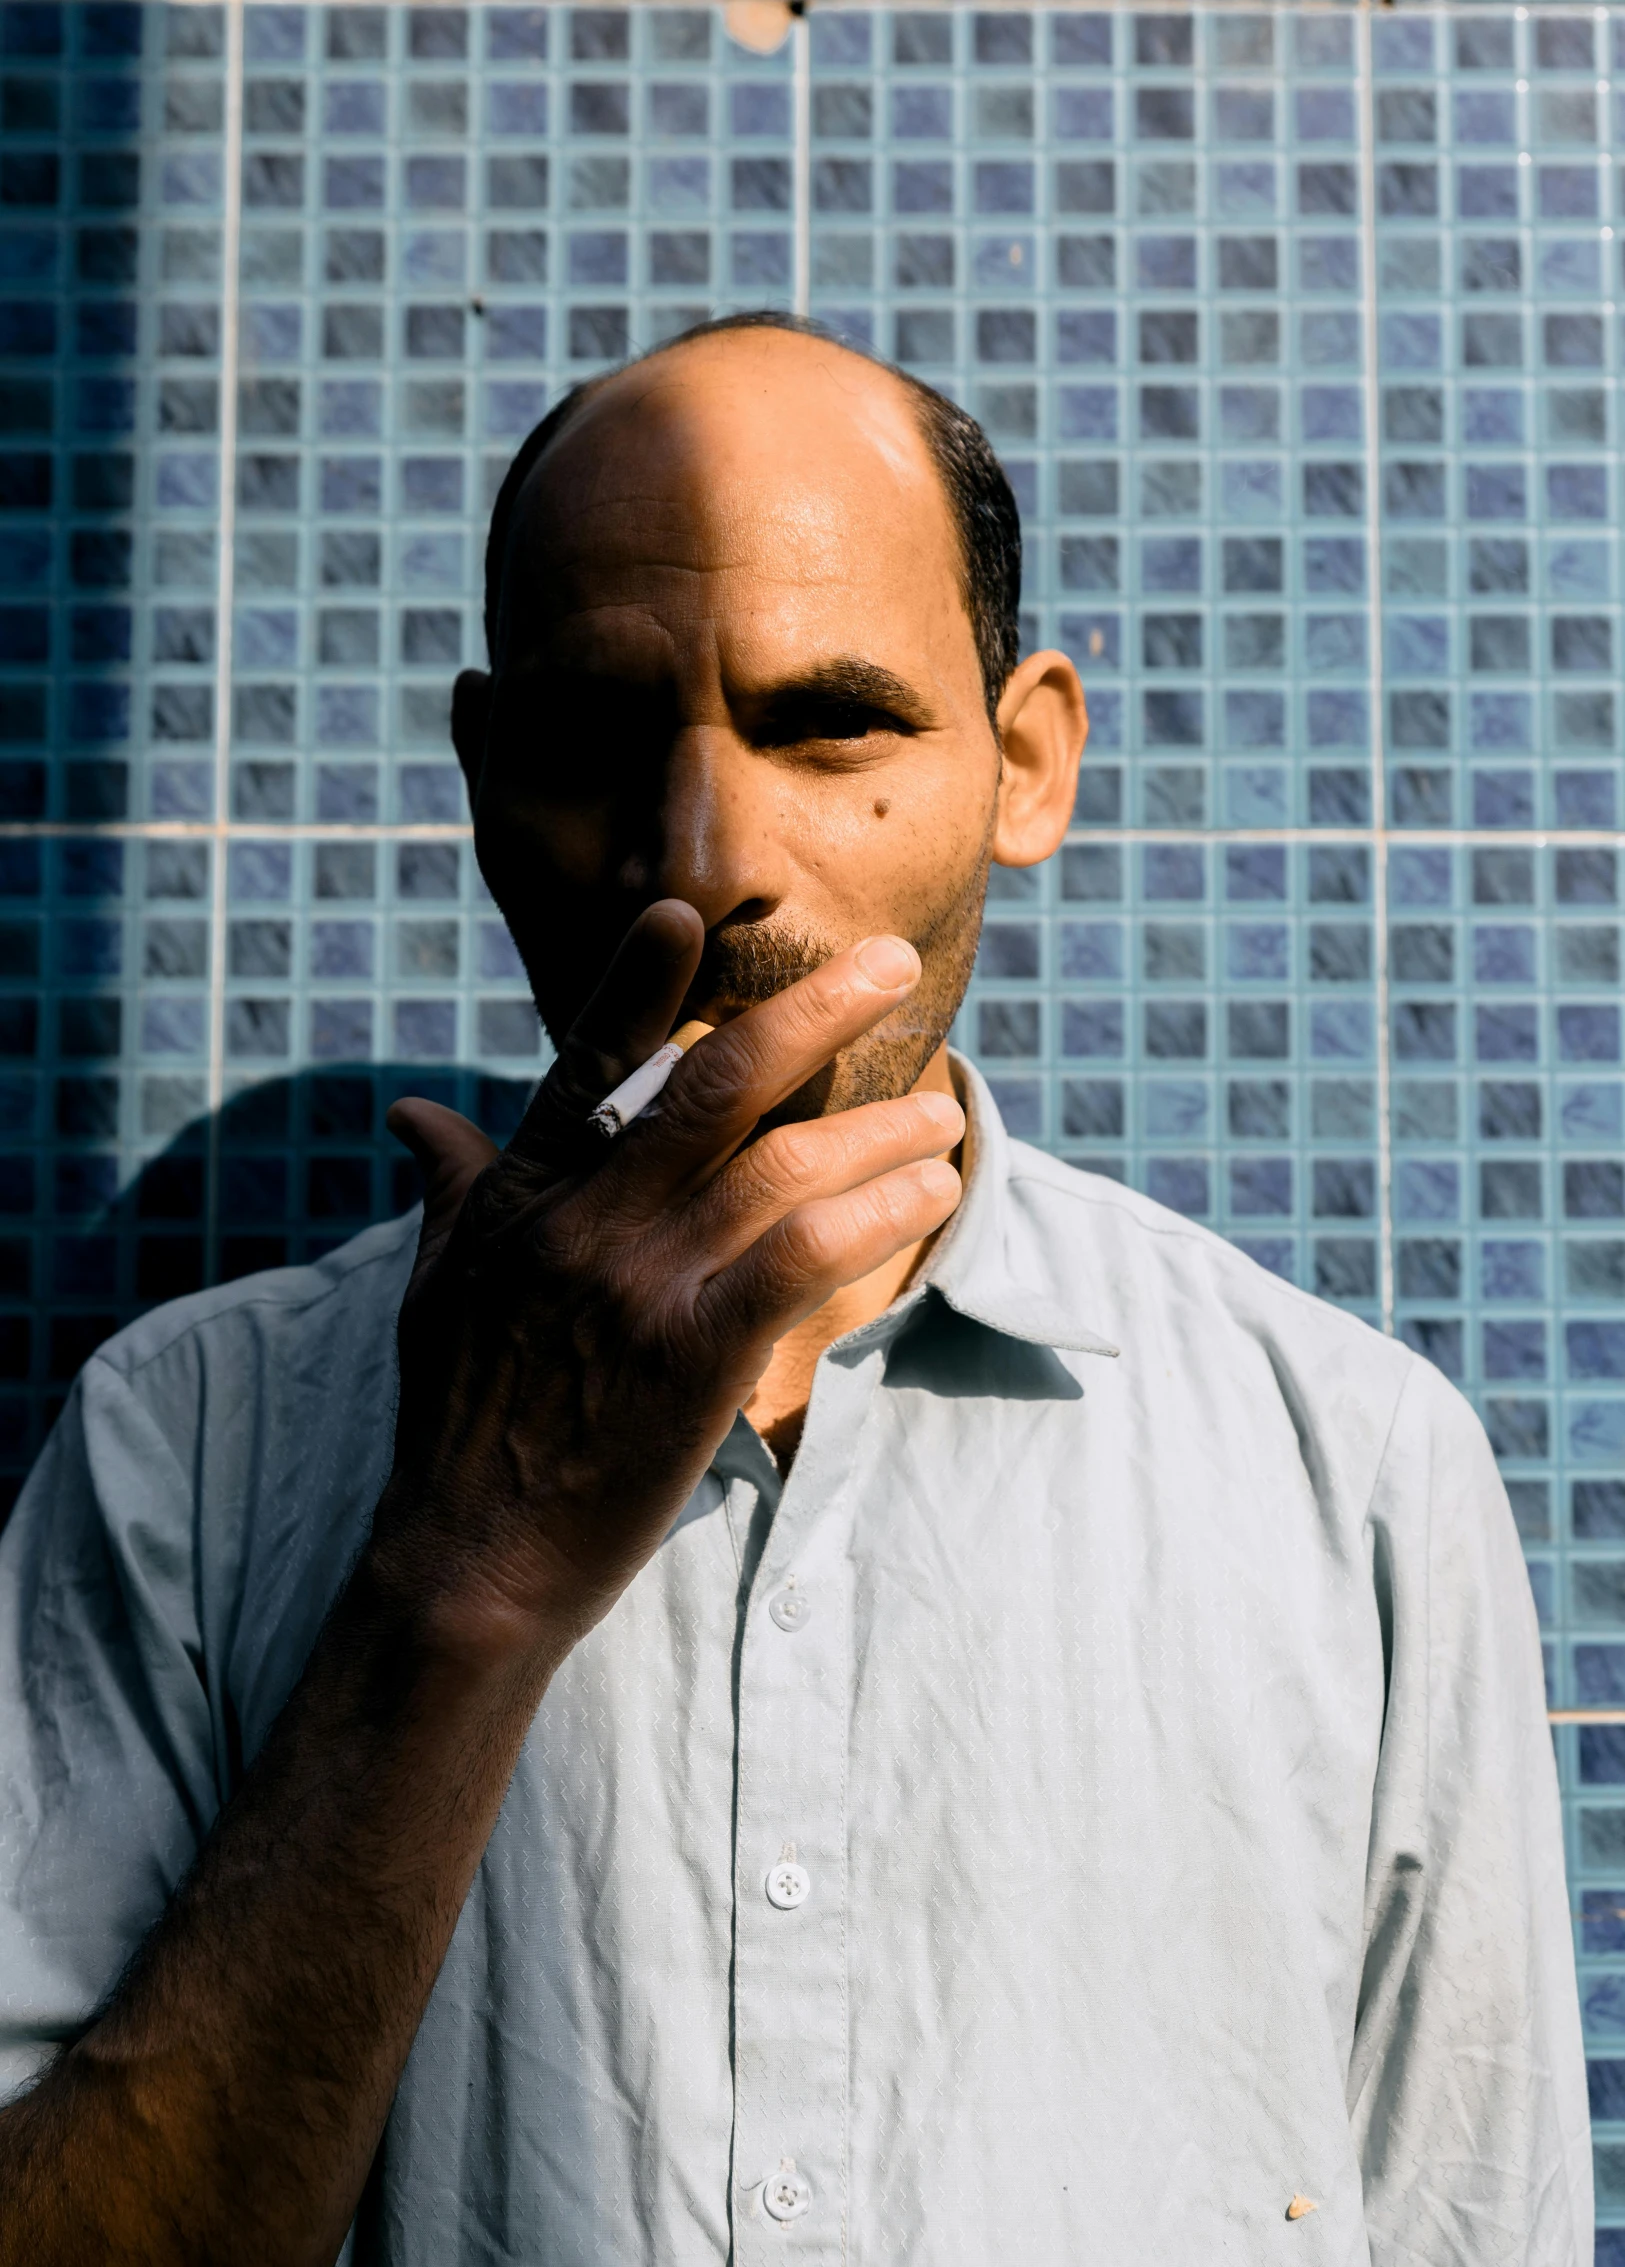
[(634, 1095)]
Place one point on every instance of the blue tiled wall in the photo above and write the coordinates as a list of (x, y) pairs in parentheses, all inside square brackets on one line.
[(1299, 331)]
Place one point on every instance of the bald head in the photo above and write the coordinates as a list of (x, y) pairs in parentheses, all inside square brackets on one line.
[(803, 404)]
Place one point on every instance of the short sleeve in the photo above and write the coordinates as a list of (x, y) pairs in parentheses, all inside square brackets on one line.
[(1467, 2090), (109, 1773)]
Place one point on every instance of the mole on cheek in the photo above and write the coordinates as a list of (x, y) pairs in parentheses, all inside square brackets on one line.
[(882, 806)]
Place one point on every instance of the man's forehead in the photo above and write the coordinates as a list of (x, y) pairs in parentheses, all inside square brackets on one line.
[(729, 442), (689, 632)]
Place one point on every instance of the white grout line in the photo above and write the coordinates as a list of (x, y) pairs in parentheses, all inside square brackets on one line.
[(1433, 838), (1365, 103), (235, 830), (459, 830), (225, 593), (801, 162), (1444, 10), (1439, 8)]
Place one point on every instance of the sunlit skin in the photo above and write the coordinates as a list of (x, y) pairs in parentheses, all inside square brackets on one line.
[(737, 761), (735, 668)]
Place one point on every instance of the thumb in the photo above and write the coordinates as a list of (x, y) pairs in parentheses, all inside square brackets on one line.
[(451, 1153)]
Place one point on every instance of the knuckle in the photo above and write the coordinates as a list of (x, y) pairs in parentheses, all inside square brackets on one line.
[(564, 1095), (896, 1194), (706, 1082), (902, 1200), (582, 1072), (790, 1159), (553, 1246), (813, 1243), (488, 1206), (890, 1130), (513, 1225)]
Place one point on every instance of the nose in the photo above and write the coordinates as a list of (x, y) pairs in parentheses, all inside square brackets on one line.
[(719, 840)]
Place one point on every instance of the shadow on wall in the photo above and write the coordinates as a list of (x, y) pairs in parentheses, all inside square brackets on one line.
[(302, 1163), (78, 269)]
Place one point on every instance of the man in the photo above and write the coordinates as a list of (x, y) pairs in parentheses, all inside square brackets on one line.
[(814, 1717)]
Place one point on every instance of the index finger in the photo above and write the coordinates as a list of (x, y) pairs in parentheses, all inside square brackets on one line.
[(626, 1019), (744, 1069)]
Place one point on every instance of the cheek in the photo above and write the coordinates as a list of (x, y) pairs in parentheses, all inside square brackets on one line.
[(904, 837), (524, 841)]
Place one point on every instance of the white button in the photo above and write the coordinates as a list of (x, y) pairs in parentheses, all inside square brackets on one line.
[(788, 1885), (786, 2195), (791, 1608)]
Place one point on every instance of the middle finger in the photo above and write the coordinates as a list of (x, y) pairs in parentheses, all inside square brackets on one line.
[(744, 1069), (821, 1157)]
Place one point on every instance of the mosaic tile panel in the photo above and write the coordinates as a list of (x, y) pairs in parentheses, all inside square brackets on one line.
[(1298, 330)]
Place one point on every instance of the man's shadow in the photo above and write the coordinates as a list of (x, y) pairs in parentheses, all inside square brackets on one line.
[(285, 1172)]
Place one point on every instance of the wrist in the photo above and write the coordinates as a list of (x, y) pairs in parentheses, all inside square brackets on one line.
[(419, 1601)]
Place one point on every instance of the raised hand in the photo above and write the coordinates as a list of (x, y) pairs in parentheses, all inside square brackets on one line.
[(585, 1318)]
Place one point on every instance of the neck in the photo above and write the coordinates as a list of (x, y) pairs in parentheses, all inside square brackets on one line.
[(778, 1407)]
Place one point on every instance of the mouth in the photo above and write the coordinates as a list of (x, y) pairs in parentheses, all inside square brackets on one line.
[(709, 1007)]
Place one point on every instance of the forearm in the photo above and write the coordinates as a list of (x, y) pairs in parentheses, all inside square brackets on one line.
[(229, 2101)]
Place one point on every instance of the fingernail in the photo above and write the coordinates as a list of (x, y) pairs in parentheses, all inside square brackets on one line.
[(888, 962), (945, 1110), (938, 1178)]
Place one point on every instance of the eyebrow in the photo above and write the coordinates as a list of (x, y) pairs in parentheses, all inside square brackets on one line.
[(846, 680), (850, 681)]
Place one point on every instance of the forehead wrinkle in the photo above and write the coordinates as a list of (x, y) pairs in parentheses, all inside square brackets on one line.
[(623, 641), (795, 536), (778, 563), (558, 587), (660, 596), (753, 564), (558, 529), (624, 630)]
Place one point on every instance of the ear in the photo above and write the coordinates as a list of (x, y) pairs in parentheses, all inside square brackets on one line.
[(470, 722), (1043, 725)]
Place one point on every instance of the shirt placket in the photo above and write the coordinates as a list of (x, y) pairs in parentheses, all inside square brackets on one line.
[(792, 2039)]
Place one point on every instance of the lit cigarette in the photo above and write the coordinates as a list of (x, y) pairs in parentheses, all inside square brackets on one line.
[(634, 1095)]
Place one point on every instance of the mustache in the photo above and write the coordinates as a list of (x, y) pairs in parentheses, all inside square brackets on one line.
[(752, 961)]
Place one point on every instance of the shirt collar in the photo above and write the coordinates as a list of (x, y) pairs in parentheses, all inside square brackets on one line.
[(993, 1262)]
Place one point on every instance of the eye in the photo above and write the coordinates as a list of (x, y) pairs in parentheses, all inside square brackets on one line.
[(597, 723), (792, 723), (853, 722)]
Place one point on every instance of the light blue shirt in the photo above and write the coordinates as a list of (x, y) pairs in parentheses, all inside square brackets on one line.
[(1102, 1795)]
